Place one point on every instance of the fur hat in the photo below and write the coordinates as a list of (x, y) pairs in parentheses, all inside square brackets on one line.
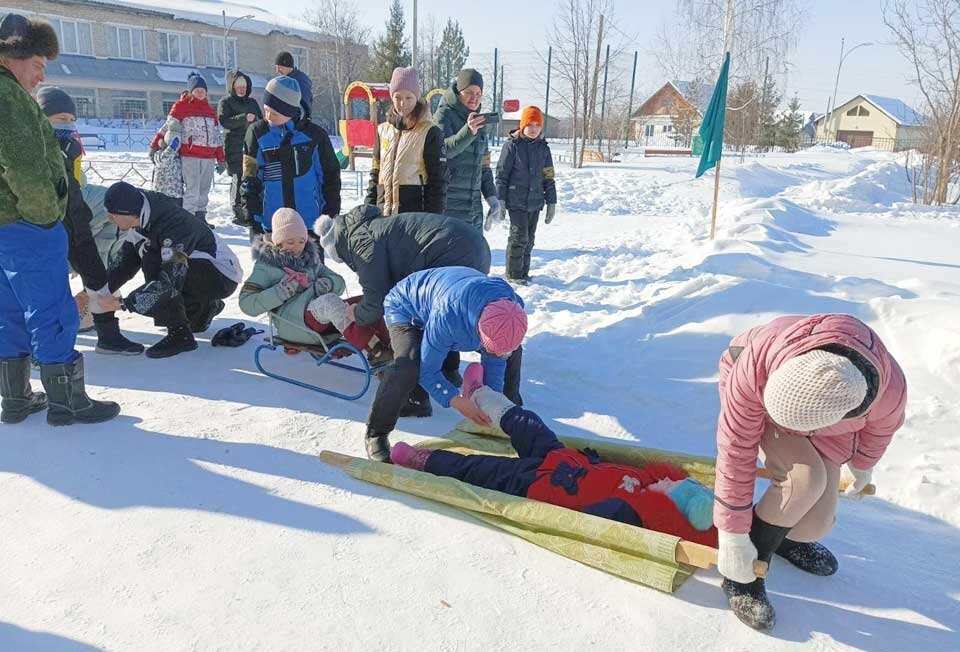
[(22, 38), (813, 390)]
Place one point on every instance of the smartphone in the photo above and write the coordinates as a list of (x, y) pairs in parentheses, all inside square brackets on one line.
[(490, 118)]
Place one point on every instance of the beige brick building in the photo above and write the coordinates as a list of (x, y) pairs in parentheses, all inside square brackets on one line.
[(130, 58)]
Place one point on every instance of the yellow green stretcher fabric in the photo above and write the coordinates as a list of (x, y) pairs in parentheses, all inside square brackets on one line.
[(637, 554)]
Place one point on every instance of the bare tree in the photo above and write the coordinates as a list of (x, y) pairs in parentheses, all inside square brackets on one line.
[(692, 44), (927, 32), (429, 37), (578, 35), (341, 21)]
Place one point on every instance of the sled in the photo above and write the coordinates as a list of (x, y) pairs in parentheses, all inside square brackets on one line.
[(654, 559), (325, 350)]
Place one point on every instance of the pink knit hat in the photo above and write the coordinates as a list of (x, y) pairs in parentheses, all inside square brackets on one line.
[(405, 79), (287, 223), (502, 325)]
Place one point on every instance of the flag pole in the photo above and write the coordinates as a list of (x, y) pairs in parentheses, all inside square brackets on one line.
[(716, 196)]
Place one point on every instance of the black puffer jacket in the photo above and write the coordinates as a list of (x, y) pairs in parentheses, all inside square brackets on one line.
[(232, 115), (525, 174), (468, 160), (385, 250)]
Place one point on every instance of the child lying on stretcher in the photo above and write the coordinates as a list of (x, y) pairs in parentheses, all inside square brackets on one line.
[(656, 496), (290, 281)]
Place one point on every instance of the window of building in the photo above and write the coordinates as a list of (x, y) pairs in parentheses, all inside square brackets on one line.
[(648, 130), (300, 57), (86, 101), (213, 46), (175, 48), (168, 100), (75, 36), (130, 105), (667, 129), (125, 42), (858, 111)]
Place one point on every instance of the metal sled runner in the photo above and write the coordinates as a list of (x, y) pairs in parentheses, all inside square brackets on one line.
[(324, 350)]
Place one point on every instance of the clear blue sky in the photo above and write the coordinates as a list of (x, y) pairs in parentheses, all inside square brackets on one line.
[(519, 27)]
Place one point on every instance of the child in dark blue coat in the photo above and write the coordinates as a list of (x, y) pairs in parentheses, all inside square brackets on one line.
[(431, 313), (525, 184)]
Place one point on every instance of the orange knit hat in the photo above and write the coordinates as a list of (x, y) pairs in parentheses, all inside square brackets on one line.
[(531, 115)]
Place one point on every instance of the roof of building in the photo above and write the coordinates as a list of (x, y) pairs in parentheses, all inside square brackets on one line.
[(897, 110), (698, 93), (210, 12), (68, 66)]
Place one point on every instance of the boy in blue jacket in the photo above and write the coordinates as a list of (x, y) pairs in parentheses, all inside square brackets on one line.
[(288, 162), (431, 313)]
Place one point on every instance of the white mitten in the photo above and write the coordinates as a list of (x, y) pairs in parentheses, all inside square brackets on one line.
[(860, 479), (492, 403), (330, 309), (736, 556)]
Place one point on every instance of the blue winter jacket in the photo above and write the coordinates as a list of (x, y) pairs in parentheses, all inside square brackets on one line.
[(446, 303), (296, 168)]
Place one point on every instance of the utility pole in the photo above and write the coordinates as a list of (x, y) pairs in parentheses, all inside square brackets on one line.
[(546, 101), (496, 54), (603, 102), (499, 107), (633, 83), (226, 59), (413, 48), (592, 100)]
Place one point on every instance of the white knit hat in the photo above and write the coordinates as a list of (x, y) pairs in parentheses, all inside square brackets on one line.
[(813, 390)]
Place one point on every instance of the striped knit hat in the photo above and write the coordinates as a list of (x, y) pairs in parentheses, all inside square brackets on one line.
[(282, 94)]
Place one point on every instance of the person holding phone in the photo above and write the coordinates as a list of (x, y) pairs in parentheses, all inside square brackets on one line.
[(468, 154)]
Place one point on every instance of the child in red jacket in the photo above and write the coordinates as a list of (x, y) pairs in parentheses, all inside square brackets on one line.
[(656, 496), (201, 145)]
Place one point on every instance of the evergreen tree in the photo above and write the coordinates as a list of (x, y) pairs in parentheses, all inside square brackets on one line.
[(452, 53), (790, 126), (390, 50)]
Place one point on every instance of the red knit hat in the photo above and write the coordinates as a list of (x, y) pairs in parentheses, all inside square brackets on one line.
[(531, 115), (502, 325)]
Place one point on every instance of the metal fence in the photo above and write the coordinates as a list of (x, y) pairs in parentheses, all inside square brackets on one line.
[(857, 141)]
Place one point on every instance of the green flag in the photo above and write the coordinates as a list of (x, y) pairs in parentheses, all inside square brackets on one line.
[(711, 129)]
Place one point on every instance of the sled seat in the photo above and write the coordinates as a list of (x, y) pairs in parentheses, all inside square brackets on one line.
[(324, 349)]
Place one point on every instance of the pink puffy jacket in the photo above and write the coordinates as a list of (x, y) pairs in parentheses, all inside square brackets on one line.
[(861, 441)]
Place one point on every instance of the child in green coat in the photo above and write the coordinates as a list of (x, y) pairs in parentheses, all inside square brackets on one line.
[(302, 295)]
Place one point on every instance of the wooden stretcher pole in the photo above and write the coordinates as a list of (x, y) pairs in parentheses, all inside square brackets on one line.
[(869, 490), (701, 556), (716, 197)]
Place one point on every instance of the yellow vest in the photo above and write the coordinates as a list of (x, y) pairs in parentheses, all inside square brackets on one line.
[(401, 161)]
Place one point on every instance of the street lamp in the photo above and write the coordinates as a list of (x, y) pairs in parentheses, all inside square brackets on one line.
[(226, 31), (836, 83)]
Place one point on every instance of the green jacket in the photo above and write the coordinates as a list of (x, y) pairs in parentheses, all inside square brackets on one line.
[(468, 160), (259, 293), (33, 182)]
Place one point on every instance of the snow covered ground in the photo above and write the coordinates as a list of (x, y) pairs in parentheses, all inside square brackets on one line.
[(201, 519)]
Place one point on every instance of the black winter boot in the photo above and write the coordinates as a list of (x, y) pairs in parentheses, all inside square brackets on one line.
[(811, 557), (179, 339), (202, 215), (417, 404), (378, 447), (200, 323), (69, 402), (111, 341), (18, 400), (749, 601)]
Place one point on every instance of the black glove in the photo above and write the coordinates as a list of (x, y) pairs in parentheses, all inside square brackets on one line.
[(251, 193)]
